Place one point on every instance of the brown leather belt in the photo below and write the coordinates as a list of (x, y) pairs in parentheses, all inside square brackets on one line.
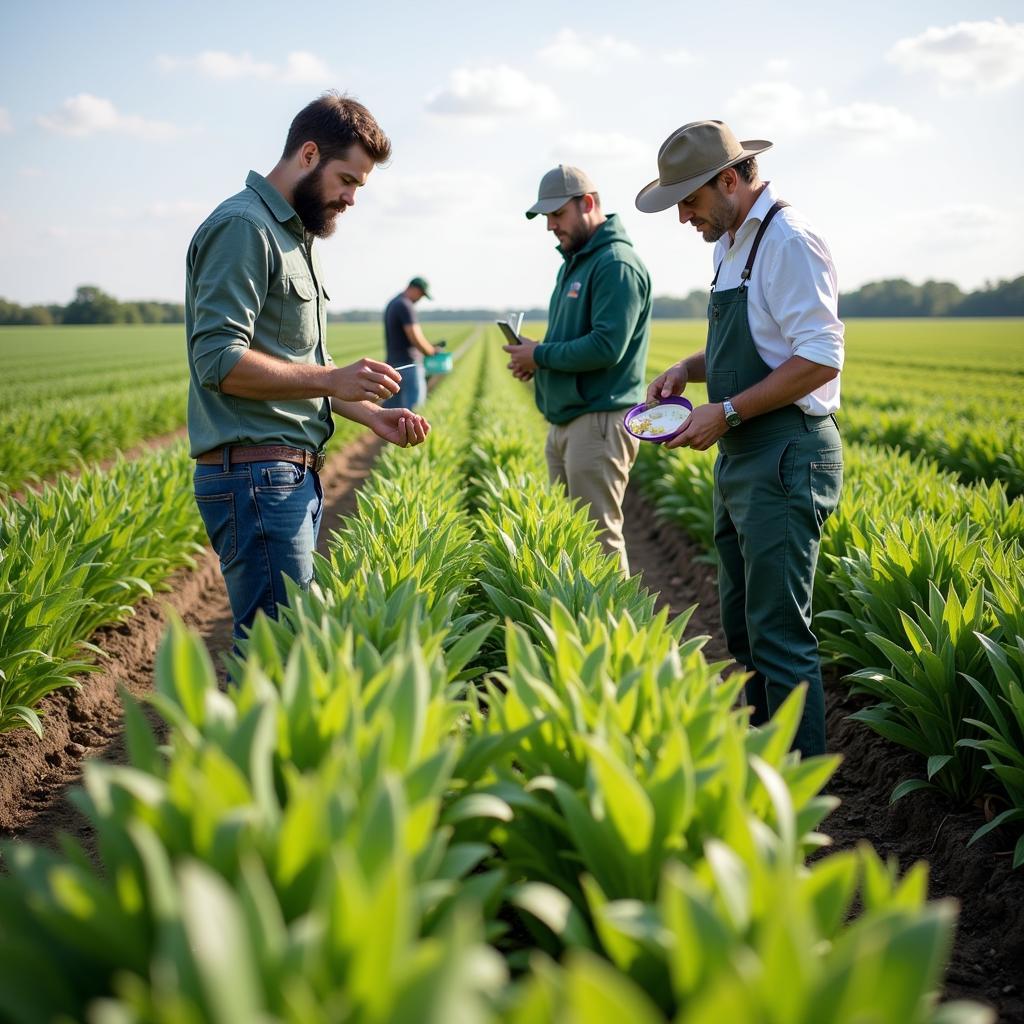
[(263, 453)]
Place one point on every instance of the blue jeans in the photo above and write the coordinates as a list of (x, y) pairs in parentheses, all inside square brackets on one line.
[(263, 519), (412, 391)]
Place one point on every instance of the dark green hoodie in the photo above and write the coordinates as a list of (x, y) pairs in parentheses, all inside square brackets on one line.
[(599, 319)]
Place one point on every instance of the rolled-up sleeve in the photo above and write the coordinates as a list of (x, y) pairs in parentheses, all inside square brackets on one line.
[(230, 271), (802, 293), (616, 307)]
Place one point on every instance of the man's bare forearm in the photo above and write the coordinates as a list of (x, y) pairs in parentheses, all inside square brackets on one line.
[(696, 367), (788, 382), (262, 377)]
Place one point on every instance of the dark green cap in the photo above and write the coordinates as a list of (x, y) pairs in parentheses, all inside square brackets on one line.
[(421, 283)]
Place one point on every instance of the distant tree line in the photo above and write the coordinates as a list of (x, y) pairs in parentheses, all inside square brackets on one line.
[(933, 298), (892, 298), (92, 305)]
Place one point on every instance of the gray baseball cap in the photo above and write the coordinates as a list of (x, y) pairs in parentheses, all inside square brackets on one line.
[(557, 187)]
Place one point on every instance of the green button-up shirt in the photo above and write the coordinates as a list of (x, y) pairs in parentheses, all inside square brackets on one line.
[(253, 280)]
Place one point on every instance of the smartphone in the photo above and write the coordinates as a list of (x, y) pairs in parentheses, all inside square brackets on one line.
[(510, 328)]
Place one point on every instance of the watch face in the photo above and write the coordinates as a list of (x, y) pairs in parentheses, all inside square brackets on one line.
[(733, 419)]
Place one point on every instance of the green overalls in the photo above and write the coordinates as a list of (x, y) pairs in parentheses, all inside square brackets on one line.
[(777, 479)]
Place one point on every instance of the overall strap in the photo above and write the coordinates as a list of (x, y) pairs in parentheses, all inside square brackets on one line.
[(745, 275)]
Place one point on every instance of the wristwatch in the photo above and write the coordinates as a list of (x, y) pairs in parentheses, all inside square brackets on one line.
[(732, 417)]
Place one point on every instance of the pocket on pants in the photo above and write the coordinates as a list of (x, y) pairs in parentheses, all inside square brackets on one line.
[(283, 476), (218, 514), (826, 484)]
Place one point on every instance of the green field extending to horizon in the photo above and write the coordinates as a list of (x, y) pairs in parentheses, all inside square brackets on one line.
[(927, 386)]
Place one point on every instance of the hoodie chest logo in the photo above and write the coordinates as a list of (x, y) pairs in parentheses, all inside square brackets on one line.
[(574, 290)]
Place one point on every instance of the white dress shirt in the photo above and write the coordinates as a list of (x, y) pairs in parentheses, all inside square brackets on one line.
[(793, 294)]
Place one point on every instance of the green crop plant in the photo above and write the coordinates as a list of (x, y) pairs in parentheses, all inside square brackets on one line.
[(78, 555)]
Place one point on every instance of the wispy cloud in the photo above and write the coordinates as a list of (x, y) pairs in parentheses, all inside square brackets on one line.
[(488, 92), (984, 55), (434, 195), (580, 146), (680, 58), (778, 66), (6, 125), (85, 114), (299, 68), (570, 51), (775, 108)]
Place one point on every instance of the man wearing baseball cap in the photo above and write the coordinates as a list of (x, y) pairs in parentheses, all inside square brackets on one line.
[(405, 344), (771, 363), (592, 360)]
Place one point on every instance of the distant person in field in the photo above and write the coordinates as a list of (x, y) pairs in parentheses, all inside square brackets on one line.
[(406, 343), (591, 364), (263, 386), (771, 363)]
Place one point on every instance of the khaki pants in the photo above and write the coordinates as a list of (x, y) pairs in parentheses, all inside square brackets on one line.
[(592, 455)]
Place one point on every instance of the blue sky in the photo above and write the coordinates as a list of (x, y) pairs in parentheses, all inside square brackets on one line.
[(896, 129)]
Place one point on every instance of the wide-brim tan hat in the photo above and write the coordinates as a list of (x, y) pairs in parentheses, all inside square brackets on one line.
[(691, 156), (557, 187)]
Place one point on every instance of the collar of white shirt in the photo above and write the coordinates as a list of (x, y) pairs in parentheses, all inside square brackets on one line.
[(752, 221)]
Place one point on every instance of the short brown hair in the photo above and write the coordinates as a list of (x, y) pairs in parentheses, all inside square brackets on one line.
[(335, 122), (746, 169)]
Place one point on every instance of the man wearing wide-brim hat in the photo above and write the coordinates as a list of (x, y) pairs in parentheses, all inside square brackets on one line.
[(772, 360), (592, 361)]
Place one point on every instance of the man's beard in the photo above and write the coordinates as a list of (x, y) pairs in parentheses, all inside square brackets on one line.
[(319, 218), (577, 239), (719, 219)]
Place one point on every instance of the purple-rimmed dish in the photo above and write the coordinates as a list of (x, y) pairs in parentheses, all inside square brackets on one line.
[(658, 421)]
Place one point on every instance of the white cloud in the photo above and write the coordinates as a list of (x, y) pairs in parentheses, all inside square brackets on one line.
[(962, 222), (865, 120), (778, 66), (569, 51), (780, 109), (303, 68), (492, 91), (434, 195), (6, 125), (988, 55), (300, 67), (680, 58), (85, 114), (604, 145), (162, 210)]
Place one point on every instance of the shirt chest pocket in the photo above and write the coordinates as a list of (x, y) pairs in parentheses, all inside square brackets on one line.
[(300, 320)]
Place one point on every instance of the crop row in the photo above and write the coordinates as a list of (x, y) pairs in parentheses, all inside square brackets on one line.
[(919, 591), (86, 393), (468, 776), (903, 386), (79, 554)]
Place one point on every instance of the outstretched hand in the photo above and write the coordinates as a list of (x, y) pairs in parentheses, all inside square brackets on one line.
[(400, 426)]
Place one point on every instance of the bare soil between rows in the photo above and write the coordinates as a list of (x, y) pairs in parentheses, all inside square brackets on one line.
[(987, 961), (37, 775)]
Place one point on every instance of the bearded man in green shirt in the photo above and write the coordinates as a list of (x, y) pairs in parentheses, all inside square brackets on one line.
[(263, 386)]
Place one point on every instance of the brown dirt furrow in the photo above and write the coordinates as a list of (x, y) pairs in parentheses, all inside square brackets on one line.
[(987, 962), (37, 775)]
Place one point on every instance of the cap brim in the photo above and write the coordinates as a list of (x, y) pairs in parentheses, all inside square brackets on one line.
[(655, 197), (547, 206)]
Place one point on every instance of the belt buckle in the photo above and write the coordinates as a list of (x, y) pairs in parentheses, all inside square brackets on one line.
[(318, 461)]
